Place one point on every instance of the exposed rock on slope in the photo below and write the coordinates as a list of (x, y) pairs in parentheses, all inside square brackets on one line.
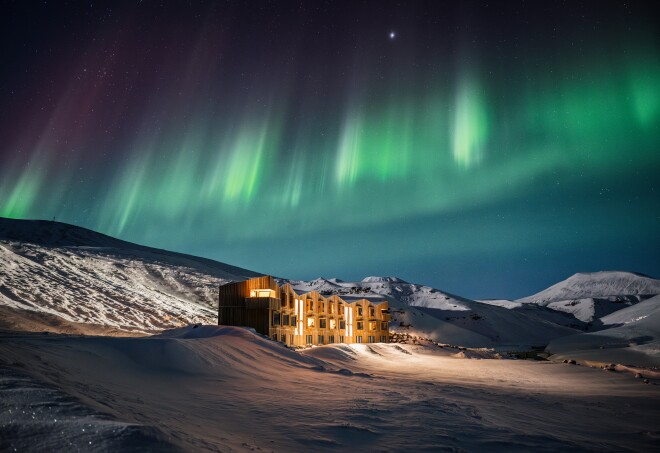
[(86, 277)]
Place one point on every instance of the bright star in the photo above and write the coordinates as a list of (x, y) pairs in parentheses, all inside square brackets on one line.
[(392, 35)]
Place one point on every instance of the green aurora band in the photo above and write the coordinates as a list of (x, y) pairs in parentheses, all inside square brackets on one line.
[(290, 165)]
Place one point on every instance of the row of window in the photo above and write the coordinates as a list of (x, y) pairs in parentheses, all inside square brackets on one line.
[(290, 320), (284, 320), (323, 323), (331, 339), (334, 309)]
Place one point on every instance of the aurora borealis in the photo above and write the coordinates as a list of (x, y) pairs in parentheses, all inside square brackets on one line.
[(487, 150)]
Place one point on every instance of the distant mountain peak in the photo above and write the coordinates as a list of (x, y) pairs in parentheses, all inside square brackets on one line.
[(596, 285), (607, 274), (375, 279)]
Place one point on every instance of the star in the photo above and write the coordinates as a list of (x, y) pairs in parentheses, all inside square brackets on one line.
[(392, 35)]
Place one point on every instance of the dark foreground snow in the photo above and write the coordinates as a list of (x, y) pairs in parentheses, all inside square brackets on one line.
[(38, 417)]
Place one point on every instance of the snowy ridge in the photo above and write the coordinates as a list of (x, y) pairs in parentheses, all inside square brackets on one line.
[(441, 316), (374, 279), (590, 296), (393, 288), (596, 285), (104, 280), (430, 313)]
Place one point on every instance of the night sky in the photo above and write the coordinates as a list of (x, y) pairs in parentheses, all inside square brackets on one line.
[(487, 149)]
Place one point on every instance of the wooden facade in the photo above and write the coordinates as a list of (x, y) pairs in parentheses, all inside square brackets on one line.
[(303, 319)]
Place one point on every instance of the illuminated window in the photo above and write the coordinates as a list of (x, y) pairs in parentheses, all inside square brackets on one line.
[(372, 325), (332, 309), (262, 293), (310, 322), (322, 323), (360, 325), (333, 323)]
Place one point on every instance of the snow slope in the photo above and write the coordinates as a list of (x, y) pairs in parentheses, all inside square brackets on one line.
[(225, 389), (85, 277), (632, 337)]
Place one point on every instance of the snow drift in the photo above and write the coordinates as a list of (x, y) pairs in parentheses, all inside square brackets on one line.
[(210, 388)]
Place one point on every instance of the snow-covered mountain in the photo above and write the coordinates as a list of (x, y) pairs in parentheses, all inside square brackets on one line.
[(597, 284), (53, 273), (82, 276), (392, 287), (430, 313), (536, 320), (590, 296)]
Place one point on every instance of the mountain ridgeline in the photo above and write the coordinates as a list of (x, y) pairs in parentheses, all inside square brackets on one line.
[(69, 275)]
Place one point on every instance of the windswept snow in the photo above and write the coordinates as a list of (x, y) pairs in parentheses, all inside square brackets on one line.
[(225, 389), (85, 277), (35, 416)]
